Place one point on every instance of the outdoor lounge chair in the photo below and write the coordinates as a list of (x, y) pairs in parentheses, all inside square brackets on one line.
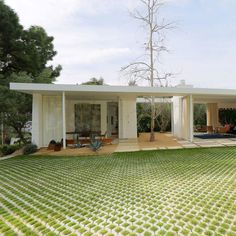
[(223, 129)]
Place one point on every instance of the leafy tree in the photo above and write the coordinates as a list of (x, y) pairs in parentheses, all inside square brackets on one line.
[(227, 116), (10, 44), (23, 50), (94, 81), (38, 50), (200, 114), (162, 120), (17, 109), (24, 57)]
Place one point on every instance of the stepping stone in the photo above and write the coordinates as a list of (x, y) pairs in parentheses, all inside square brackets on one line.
[(149, 149), (175, 147), (212, 145), (192, 145), (184, 142), (229, 144), (128, 150)]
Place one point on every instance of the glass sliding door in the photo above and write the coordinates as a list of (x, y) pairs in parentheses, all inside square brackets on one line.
[(87, 117)]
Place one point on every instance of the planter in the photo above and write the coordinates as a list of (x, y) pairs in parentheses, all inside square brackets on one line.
[(57, 147), (51, 146)]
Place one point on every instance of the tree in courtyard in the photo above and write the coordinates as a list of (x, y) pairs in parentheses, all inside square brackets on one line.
[(24, 57), (162, 112), (94, 81), (199, 114), (147, 68)]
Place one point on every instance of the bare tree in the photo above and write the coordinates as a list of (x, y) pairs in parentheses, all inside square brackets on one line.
[(147, 68)]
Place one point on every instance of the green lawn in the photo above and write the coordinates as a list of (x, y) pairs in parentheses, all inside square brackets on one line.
[(172, 192)]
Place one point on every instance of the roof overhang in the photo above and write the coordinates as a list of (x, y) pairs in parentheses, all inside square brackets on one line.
[(106, 91)]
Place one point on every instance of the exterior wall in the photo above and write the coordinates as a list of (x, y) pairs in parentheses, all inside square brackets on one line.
[(183, 117), (52, 119), (127, 118), (212, 115), (177, 117), (37, 121), (47, 118)]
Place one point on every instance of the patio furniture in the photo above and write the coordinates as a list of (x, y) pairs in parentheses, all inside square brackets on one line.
[(201, 128), (210, 129), (103, 135), (223, 129), (106, 140), (86, 137)]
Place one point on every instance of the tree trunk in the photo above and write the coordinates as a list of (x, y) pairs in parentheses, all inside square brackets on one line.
[(152, 134)]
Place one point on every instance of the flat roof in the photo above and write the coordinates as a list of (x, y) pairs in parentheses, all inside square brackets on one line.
[(127, 91)]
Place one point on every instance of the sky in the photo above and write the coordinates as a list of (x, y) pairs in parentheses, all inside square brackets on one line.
[(96, 38)]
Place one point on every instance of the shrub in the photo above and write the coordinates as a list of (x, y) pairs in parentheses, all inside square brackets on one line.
[(29, 149), (8, 149)]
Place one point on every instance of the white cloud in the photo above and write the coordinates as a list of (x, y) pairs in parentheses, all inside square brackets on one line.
[(97, 37), (87, 57), (53, 12)]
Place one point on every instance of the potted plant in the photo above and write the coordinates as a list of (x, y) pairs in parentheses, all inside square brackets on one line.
[(57, 146), (51, 145)]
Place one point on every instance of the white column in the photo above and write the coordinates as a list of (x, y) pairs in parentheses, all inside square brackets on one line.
[(212, 115), (172, 118), (64, 119), (120, 122), (127, 118), (191, 118), (177, 116), (187, 118), (37, 124)]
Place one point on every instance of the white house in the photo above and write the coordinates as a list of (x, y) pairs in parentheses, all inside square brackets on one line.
[(59, 110)]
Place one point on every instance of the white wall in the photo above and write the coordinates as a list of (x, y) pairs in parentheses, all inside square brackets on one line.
[(37, 129), (212, 115), (52, 119), (177, 117), (127, 118), (47, 118), (183, 117)]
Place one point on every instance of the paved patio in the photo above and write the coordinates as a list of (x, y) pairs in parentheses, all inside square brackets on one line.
[(167, 141), (163, 141), (85, 151)]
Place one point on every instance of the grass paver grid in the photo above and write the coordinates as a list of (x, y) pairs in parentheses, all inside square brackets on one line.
[(169, 192)]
